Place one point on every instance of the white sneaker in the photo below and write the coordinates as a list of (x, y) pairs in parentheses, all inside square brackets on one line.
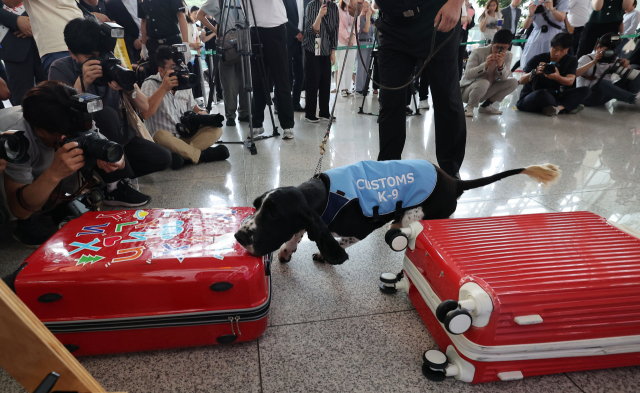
[(303, 94), (424, 104), (345, 93), (490, 110), (256, 131), (468, 111), (288, 133)]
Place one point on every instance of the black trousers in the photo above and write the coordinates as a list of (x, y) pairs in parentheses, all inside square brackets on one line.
[(318, 74), (591, 33), (141, 157), (24, 75), (153, 45), (396, 61), (296, 76), (534, 102), (577, 32), (276, 63)]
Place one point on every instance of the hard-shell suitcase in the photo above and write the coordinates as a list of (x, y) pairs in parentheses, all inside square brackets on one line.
[(516, 296), (123, 281)]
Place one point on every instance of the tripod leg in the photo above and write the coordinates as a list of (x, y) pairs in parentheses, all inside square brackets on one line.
[(211, 80)]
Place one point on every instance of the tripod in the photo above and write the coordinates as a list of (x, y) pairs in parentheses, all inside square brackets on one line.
[(365, 91), (246, 49)]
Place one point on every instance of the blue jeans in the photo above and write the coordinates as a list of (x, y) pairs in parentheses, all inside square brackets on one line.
[(622, 90), (49, 58)]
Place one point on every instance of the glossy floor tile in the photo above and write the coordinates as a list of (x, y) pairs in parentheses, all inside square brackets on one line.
[(330, 328)]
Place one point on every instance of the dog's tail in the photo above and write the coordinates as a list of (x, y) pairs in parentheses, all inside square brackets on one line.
[(545, 174)]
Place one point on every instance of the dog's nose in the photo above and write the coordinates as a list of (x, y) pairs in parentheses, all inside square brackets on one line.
[(243, 238)]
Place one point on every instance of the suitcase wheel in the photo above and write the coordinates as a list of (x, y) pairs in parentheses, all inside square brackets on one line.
[(444, 308), (397, 240), (433, 375), (389, 281), (389, 278), (435, 359), (458, 321)]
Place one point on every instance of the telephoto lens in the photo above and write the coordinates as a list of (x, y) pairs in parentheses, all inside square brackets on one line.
[(95, 148), (14, 146), (124, 77)]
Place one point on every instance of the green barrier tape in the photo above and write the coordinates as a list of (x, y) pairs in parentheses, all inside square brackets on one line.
[(354, 47), (204, 52), (524, 40)]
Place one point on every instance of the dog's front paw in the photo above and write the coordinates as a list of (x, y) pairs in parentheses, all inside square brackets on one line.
[(317, 257), (284, 256)]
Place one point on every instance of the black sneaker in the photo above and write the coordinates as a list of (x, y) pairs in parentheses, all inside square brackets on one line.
[(298, 108), (125, 195), (31, 233), (177, 161), (326, 117), (231, 123), (217, 153), (243, 119), (311, 119)]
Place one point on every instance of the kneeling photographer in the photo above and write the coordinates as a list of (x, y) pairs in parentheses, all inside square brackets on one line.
[(93, 68), (63, 149), (596, 68), (548, 78), (174, 119)]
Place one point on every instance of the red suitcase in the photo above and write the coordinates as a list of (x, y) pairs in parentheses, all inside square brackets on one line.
[(516, 296), (124, 281)]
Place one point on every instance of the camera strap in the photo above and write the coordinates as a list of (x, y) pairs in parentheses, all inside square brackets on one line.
[(546, 18)]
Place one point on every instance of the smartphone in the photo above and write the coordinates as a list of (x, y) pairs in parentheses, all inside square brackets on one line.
[(500, 23)]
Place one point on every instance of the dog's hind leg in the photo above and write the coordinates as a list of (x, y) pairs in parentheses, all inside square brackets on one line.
[(287, 249), (344, 243)]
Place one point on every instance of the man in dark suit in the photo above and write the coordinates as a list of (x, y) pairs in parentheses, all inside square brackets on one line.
[(19, 53), (295, 27), (118, 12), (511, 16)]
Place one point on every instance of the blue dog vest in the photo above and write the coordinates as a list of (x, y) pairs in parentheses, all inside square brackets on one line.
[(381, 187)]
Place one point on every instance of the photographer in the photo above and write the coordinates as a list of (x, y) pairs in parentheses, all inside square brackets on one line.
[(546, 79), (547, 19), (601, 64), (486, 78), (85, 73), (167, 105), (604, 19), (50, 173)]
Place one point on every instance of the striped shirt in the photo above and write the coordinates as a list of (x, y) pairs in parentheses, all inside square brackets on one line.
[(171, 108), (328, 28)]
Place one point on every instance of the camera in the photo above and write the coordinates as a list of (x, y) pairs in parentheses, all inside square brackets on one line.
[(186, 80), (190, 122), (549, 68), (14, 146), (112, 69), (625, 73), (608, 56), (610, 42), (93, 147)]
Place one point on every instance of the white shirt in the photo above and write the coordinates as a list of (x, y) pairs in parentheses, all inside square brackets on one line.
[(300, 14), (600, 68), (48, 19), (513, 19), (579, 12), (269, 13), (171, 108), (631, 20)]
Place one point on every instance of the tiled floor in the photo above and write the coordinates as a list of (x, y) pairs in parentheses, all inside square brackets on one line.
[(330, 328)]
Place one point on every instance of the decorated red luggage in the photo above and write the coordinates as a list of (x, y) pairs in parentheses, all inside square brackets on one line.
[(123, 281), (516, 296)]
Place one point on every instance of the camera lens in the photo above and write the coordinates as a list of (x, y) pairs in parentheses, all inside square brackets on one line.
[(14, 147), (123, 77), (102, 149)]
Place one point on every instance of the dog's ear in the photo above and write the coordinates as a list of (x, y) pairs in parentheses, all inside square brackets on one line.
[(258, 201), (318, 232)]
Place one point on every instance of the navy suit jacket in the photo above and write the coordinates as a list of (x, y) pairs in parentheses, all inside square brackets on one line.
[(293, 19), (507, 17), (14, 49)]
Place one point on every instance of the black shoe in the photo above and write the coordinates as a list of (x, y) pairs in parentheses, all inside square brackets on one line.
[(298, 108), (311, 119), (217, 153), (243, 119), (409, 111), (125, 195), (177, 161), (31, 233), (231, 123)]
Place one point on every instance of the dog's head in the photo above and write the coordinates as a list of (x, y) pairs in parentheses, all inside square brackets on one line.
[(280, 214)]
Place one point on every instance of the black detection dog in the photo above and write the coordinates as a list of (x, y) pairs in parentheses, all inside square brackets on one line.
[(351, 202)]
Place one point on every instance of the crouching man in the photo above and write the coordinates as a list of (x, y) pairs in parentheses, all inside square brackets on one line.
[(50, 175), (486, 78), (166, 106)]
